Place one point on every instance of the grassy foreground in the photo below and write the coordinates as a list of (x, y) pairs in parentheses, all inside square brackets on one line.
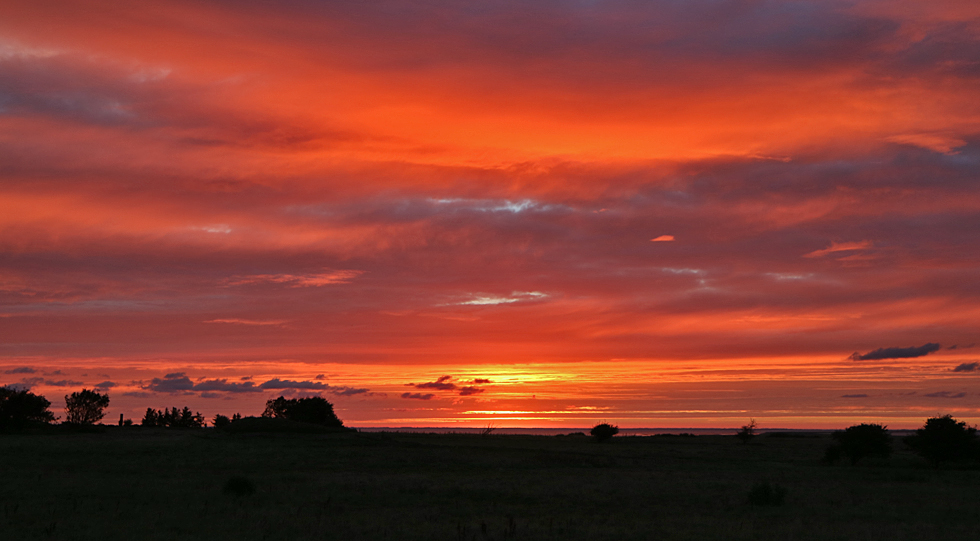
[(169, 484)]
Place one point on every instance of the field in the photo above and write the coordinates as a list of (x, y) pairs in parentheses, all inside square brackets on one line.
[(135, 483)]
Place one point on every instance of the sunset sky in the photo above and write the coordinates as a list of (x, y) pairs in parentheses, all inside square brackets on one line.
[(549, 213)]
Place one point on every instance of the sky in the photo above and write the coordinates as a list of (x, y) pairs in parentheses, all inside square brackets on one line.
[(551, 213)]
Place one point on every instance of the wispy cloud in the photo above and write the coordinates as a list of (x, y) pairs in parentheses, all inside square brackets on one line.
[(20, 370), (278, 384), (896, 353), (945, 394), (237, 321), (298, 280), (840, 247), (517, 296), (944, 144), (968, 367), (418, 396)]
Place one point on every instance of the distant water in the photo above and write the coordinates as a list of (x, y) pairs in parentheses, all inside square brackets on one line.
[(557, 431)]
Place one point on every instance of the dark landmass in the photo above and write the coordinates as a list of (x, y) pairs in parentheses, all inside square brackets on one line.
[(155, 483)]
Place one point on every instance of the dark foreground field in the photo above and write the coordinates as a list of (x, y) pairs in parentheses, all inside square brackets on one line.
[(171, 484)]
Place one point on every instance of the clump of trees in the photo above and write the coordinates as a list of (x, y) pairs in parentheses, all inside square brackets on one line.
[(860, 441), (172, 418), (221, 421), (19, 408), (85, 407), (604, 431), (314, 410), (944, 439)]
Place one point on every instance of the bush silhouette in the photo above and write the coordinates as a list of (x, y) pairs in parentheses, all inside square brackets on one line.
[(604, 431), (221, 421), (832, 454), (314, 410), (864, 440), (943, 439), (85, 407), (173, 418), (20, 408), (747, 432), (767, 493), (239, 486)]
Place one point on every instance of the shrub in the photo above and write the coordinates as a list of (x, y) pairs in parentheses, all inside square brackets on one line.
[(863, 440), (85, 407), (943, 439), (221, 421), (747, 432), (314, 410), (832, 454), (173, 418), (239, 486), (22, 407), (766, 493), (604, 431)]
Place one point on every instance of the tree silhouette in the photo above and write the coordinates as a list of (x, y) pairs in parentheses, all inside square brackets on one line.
[(747, 432), (85, 407), (863, 440), (314, 410), (943, 439), (21, 407)]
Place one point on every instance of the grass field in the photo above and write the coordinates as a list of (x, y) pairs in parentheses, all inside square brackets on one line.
[(140, 483)]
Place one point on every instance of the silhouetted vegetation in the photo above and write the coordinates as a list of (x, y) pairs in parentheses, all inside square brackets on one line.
[(766, 493), (832, 454), (314, 410), (172, 418), (270, 425), (239, 486), (747, 432), (222, 421), (860, 441), (604, 431), (85, 407), (19, 408), (314, 482), (944, 439)]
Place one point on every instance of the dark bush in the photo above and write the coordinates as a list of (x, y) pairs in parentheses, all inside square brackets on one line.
[(239, 486), (747, 432), (21, 408), (944, 439), (173, 418), (222, 421), (832, 454), (604, 431), (766, 493), (314, 410), (864, 440), (85, 407)]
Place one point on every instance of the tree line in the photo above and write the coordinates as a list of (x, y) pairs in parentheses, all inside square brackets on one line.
[(940, 440), (20, 408)]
